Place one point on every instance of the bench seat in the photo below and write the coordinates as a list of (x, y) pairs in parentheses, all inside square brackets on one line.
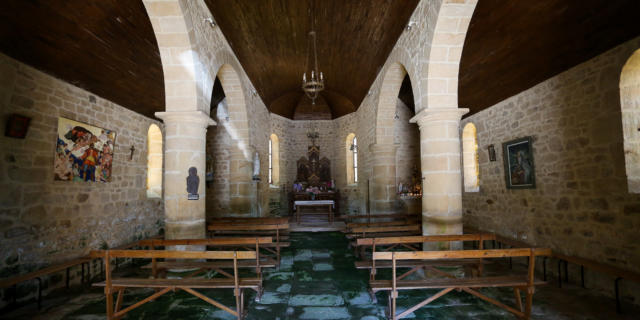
[(354, 235), (366, 264), (245, 283), (440, 283), (264, 263)]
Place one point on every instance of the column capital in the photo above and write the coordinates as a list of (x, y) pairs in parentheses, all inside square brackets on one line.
[(438, 114), (195, 117)]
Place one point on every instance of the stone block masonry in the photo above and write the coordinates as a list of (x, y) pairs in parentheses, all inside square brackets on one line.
[(43, 221), (580, 205)]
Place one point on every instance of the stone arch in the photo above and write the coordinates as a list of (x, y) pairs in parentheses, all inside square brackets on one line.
[(630, 104), (444, 54), (236, 123), (387, 102), (154, 162), (177, 53), (470, 158), (274, 160)]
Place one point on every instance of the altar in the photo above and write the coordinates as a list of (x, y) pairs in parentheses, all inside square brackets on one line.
[(313, 186), (298, 204)]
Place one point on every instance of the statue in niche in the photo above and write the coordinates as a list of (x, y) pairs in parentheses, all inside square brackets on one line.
[(303, 170), (256, 166), (193, 181), (325, 170)]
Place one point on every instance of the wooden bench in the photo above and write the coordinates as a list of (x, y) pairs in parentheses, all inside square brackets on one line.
[(615, 272), (245, 230), (525, 283), (201, 266), (414, 243), (352, 225), (67, 265), (406, 217), (119, 285), (251, 220), (385, 231)]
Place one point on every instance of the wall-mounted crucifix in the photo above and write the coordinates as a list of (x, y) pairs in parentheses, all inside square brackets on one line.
[(132, 150)]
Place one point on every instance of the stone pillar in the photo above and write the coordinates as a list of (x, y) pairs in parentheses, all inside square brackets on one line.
[(384, 178), (185, 146), (441, 173)]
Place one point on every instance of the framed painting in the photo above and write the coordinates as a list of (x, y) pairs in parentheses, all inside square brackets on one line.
[(518, 164), (83, 152), (17, 126)]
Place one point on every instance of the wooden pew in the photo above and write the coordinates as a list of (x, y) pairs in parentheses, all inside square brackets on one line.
[(414, 243), (245, 230), (119, 285), (251, 220), (201, 266), (407, 217), (352, 225), (385, 231), (519, 283), (67, 265)]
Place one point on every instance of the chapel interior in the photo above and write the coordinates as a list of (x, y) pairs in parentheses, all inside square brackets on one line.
[(319, 159)]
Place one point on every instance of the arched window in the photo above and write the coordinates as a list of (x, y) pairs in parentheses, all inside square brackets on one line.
[(274, 160), (351, 146), (470, 158), (630, 104), (154, 162)]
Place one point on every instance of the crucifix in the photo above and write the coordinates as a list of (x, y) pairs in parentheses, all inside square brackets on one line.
[(132, 150), (313, 136)]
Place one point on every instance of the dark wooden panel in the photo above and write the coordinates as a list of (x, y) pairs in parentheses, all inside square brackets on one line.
[(104, 46), (514, 45), (269, 37)]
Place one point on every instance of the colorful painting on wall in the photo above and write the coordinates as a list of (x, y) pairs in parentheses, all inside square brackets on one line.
[(518, 164), (83, 152)]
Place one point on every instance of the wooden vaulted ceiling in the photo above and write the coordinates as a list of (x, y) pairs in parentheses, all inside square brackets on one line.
[(354, 38), (108, 46), (104, 46), (513, 45)]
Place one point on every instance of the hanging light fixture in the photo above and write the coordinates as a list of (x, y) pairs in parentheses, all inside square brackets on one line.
[(314, 84)]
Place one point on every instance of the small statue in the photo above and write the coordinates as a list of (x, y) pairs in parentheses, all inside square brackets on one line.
[(256, 166), (193, 181)]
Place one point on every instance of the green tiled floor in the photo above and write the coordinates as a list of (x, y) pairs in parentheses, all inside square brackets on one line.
[(317, 280)]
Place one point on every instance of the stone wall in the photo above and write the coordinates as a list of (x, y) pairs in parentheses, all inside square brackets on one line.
[(43, 221), (580, 205)]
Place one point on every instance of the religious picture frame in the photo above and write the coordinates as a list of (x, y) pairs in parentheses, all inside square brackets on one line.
[(17, 126), (492, 152), (519, 167), (83, 152)]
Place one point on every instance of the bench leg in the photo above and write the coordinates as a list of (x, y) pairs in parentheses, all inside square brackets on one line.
[(372, 295), (529, 302), (119, 300), (239, 303), (109, 305), (516, 292)]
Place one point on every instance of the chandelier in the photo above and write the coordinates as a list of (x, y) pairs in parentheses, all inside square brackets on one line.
[(315, 83)]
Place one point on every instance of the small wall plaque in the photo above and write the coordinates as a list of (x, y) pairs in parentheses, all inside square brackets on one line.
[(492, 152)]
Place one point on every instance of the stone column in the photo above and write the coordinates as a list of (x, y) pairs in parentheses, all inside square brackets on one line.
[(384, 178), (441, 173), (185, 147)]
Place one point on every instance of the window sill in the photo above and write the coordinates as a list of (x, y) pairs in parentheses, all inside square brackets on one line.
[(273, 186)]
